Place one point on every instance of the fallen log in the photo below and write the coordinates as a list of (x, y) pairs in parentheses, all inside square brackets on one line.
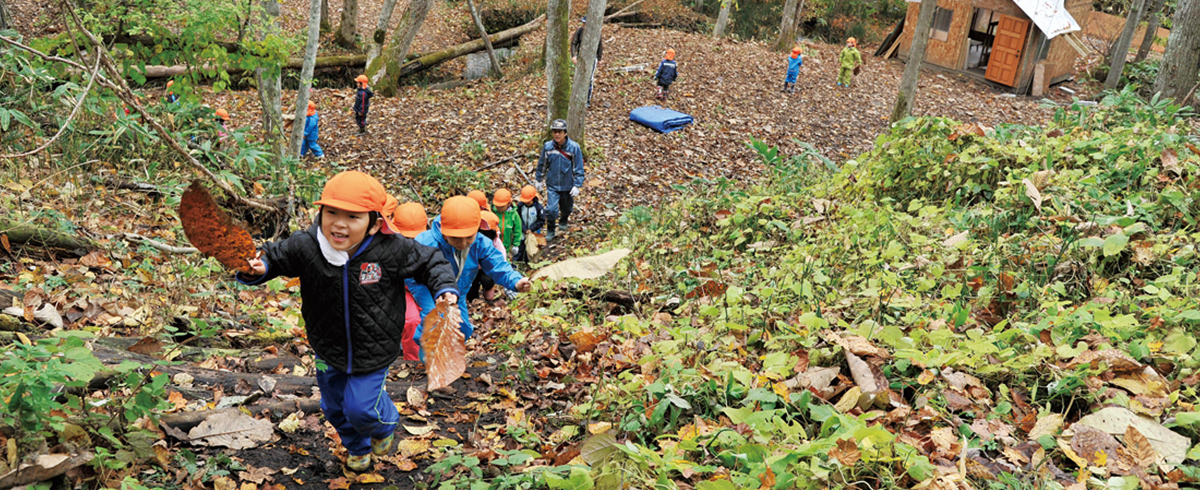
[(27, 234), (435, 58), (185, 421)]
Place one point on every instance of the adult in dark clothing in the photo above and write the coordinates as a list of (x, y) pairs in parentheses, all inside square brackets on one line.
[(576, 43)]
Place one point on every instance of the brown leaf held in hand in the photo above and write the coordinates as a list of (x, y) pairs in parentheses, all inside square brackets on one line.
[(212, 231), (445, 348)]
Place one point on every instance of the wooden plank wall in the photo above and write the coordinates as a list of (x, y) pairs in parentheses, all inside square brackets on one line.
[(1061, 54)]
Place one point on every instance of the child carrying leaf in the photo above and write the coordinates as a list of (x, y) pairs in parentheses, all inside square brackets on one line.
[(352, 272)]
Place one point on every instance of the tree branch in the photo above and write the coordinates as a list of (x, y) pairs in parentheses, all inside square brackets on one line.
[(159, 245), (70, 118), (622, 11)]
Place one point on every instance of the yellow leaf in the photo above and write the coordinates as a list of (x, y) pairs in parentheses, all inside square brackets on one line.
[(599, 427), (24, 339), (925, 377), (780, 389)]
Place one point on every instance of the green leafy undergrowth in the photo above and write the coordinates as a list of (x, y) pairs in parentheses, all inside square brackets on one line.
[(934, 298)]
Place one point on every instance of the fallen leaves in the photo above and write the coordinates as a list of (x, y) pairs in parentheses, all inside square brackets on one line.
[(445, 350), (232, 429), (212, 231)]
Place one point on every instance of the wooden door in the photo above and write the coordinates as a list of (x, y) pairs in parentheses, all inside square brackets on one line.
[(1005, 60)]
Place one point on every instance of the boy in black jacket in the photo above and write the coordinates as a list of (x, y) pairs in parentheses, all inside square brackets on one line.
[(352, 291), (362, 103), (665, 74)]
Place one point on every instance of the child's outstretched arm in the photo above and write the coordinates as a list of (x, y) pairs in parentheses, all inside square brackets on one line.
[(499, 269), (282, 258)]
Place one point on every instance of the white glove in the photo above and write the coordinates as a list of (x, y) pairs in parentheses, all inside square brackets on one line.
[(512, 252), (574, 192), (539, 186)]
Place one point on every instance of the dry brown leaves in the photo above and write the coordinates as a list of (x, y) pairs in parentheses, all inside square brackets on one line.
[(212, 231), (445, 348)]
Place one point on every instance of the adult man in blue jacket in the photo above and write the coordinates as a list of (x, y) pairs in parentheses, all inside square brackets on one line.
[(560, 174)]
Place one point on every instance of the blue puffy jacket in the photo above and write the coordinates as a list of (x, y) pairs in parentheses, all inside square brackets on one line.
[(561, 168), (310, 128), (482, 255), (666, 73), (794, 65)]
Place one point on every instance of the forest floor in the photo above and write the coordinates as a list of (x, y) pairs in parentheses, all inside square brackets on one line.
[(731, 88)]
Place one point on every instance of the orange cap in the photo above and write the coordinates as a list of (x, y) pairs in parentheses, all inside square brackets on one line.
[(170, 83), (502, 197), (490, 219), (389, 207), (480, 198), (223, 114), (528, 193), (670, 53), (356, 192), (312, 107), (410, 220), (796, 52), (362, 79), (460, 217)]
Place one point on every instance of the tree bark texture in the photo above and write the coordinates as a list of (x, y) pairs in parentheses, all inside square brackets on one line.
[(722, 19), (384, 71), (306, 73), (496, 71), (1181, 61), (580, 87), (916, 56), (4, 14), (558, 60), (270, 87), (349, 27), (380, 34), (1152, 22), (326, 26), (438, 57), (787, 33), (1120, 50), (799, 17), (24, 234)]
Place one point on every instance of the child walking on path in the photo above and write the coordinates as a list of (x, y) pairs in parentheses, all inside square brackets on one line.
[(849, 60), (511, 232), (409, 220), (793, 70), (533, 217), (352, 273), (362, 103), (666, 73), (311, 128)]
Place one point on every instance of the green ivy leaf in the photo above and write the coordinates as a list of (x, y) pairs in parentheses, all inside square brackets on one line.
[(1115, 244)]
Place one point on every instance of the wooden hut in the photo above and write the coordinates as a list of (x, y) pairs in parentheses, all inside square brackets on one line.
[(1003, 41)]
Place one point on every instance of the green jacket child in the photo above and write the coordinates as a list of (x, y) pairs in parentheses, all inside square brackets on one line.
[(510, 221), (848, 60)]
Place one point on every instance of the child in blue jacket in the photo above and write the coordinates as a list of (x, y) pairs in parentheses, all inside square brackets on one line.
[(311, 126), (794, 64), (665, 74), (456, 234)]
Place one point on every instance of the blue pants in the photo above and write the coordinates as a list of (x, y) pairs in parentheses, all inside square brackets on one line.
[(553, 198), (791, 77), (358, 406), (311, 145)]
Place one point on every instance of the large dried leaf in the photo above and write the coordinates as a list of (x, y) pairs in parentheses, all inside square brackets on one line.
[(1095, 446), (583, 267), (1116, 360), (1171, 446), (232, 429), (212, 231), (445, 347), (1046, 425), (846, 452), (1139, 449)]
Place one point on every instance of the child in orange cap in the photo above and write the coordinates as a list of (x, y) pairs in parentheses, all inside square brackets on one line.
[(352, 271), (793, 71), (666, 73), (533, 217), (456, 234), (311, 127), (489, 228), (362, 103), (171, 97), (511, 232), (409, 220), (848, 61), (480, 198)]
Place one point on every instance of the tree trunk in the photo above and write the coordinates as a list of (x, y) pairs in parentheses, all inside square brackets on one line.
[(3, 14), (380, 34), (270, 88), (1181, 61), (798, 19), (496, 71), (326, 25), (20, 233), (349, 28), (584, 71), (384, 71), (916, 56), (310, 59), (1152, 24), (722, 19), (1120, 50), (438, 57), (787, 33), (558, 60)]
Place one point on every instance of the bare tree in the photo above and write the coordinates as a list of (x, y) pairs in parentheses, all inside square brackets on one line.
[(1120, 50), (380, 34), (1181, 61), (349, 27), (916, 56), (486, 42), (1151, 30), (558, 60), (577, 116), (4, 14), (270, 87), (787, 28), (384, 71), (306, 73), (326, 26), (722, 19)]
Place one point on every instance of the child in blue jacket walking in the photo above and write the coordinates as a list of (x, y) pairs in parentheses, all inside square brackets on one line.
[(665, 74), (794, 64), (311, 125)]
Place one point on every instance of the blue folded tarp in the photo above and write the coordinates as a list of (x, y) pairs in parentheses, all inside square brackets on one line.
[(660, 119)]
